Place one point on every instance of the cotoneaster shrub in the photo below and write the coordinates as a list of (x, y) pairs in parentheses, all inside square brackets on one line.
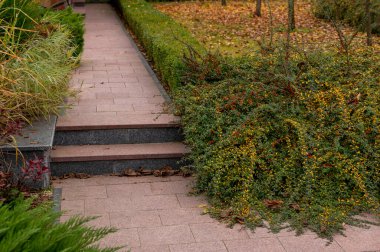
[(292, 142)]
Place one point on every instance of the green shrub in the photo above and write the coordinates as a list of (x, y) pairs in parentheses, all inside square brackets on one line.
[(294, 142), (162, 38), (351, 12), (36, 229)]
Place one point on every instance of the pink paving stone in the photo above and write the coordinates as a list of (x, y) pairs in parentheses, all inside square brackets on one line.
[(72, 207), (71, 193), (113, 84), (100, 221), (115, 72), (87, 95), (130, 219), (171, 187), (123, 237), (159, 248), (115, 107), (84, 109), (165, 235), (199, 247), (107, 75), (132, 92), (64, 183), (99, 89), (105, 68), (310, 243), (144, 79), (360, 239), (190, 201), (180, 178), (184, 216), (140, 189), (256, 245), (83, 102), (93, 81), (146, 108), (154, 202), (131, 100), (122, 79), (217, 231), (101, 206)]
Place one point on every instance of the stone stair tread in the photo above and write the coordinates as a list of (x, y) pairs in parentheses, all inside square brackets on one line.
[(77, 153), (83, 122)]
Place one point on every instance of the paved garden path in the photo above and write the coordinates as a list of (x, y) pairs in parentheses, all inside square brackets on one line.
[(155, 214), (115, 85)]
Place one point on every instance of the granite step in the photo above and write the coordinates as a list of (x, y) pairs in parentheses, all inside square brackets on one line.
[(78, 153), (132, 121), (134, 129), (103, 159)]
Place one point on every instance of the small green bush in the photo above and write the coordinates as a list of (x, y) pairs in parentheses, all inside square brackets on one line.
[(349, 11), (162, 38), (24, 228)]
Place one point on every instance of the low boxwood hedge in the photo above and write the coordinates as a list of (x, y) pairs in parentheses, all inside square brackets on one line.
[(164, 40)]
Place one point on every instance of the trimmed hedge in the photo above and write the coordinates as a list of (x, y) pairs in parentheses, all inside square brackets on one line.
[(163, 39)]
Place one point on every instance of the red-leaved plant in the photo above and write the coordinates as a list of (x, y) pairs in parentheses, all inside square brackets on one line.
[(34, 169)]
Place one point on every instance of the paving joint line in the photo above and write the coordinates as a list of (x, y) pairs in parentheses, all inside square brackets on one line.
[(282, 245)]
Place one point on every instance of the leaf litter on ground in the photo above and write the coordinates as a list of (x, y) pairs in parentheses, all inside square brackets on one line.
[(235, 30)]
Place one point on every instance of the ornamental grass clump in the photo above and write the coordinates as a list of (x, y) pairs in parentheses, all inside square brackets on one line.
[(288, 138), (38, 50)]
